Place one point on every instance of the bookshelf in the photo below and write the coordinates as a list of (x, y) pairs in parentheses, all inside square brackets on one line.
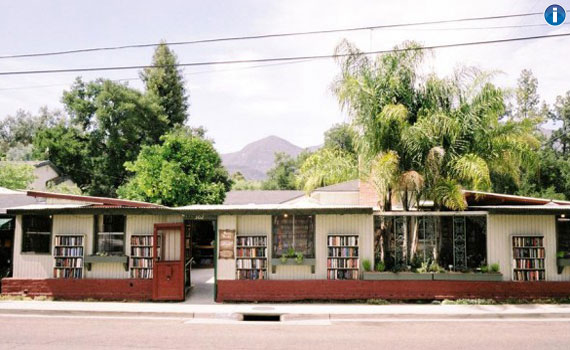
[(342, 258), (251, 257), (142, 256), (68, 253), (528, 258)]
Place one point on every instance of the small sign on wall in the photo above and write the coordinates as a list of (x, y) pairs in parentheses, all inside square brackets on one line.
[(226, 241)]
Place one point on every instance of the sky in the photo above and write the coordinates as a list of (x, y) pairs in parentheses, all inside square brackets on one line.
[(239, 104)]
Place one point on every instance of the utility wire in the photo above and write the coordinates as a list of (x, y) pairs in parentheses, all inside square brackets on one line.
[(184, 74), (265, 36), (279, 59)]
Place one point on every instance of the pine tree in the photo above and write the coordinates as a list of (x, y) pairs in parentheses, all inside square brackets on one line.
[(165, 83)]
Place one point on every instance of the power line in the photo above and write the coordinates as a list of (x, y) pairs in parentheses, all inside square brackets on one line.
[(279, 59), (184, 74), (265, 36)]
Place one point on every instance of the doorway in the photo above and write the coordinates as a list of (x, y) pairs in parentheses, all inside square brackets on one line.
[(200, 260), (168, 281)]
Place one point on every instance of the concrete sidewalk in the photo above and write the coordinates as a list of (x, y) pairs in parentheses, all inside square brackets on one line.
[(286, 311)]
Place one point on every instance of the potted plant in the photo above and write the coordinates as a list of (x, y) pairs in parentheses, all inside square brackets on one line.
[(366, 265), (299, 258)]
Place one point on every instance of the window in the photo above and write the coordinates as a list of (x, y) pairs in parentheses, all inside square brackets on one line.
[(295, 232), (110, 234), (563, 236), (36, 233)]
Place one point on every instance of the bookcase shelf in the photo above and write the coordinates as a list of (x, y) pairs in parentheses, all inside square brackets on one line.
[(528, 258), (343, 262), (68, 253), (251, 257), (142, 259)]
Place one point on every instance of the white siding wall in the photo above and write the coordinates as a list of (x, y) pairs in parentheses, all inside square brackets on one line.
[(40, 266), (345, 198), (29, 265), (226, 268), (361, 225), (499, 249)]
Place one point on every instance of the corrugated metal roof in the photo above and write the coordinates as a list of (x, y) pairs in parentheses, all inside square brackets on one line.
[(347, 186), (261, 196)]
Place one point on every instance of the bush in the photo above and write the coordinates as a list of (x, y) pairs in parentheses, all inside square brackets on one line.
[(380, 267), (366, 265), (494, 268), (377, 301)]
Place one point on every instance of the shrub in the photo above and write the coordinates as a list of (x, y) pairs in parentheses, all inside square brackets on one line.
[(377, 301), (380, 267), (366, 265), (494, 268)]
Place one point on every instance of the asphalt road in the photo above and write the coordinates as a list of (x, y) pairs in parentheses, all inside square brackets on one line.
[(75, 332)]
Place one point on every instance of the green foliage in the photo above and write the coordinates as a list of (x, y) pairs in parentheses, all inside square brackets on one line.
[(326, 167), (494, 268), (16, 176), (527, 95), (484, 269), (164, 82), (299, 257), (64, 188), (366, 265), (341, 136), (239, 183), (282, 175), (183, 170), (377, 302), (380, 266), (447, 131)]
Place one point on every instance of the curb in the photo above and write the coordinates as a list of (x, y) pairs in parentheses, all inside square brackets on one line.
[(284, 317)]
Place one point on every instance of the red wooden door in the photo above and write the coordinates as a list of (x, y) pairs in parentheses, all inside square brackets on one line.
[(168, 262)]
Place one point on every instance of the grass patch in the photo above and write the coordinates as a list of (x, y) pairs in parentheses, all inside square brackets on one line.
[(377, 302)]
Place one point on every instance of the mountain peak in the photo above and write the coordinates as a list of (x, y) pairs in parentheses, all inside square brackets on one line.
[(255, 158)]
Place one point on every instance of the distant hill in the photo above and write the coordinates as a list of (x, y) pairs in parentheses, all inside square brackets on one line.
[(256, 158)]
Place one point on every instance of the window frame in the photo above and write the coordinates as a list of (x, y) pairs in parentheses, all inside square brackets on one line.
[(293, 217), (24, 233), (98, 232)]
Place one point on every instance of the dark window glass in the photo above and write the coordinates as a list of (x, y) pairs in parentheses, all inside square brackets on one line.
[(296, 232), (36, 233), (563, 236), (110, 234)]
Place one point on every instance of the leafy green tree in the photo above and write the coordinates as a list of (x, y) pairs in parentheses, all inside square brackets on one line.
[(447, 131), (327, 166), (115, 121), (16, 176), (240, 183), (282, 175), (68, 148), (341, 136), (164, 82), (527, 95), (183, 170)]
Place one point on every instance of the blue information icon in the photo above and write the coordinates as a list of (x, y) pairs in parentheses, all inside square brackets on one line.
[(555, 15)]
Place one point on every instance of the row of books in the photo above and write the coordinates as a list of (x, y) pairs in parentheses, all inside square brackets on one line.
[(342, 240), (343, 263), (252, 241), (68, 240), (141, 262), (538, 275), (528, 252), (528, 263), (141, 273), (142, 240), (343, 252), (528, 241), (251, 252), (142, 251), (67, 273), (69, 262), (342, 274), (251, 263), (67, 251), (251, 274)]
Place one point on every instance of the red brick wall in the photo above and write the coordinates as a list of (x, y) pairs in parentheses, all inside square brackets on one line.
[(105, 289), (263, 290), (367, 194)]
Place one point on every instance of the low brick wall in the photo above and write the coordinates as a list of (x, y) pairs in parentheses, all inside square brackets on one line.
[(267, 290), (76, 289)]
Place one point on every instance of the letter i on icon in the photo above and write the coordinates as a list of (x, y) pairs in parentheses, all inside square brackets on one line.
[(555, 15)]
